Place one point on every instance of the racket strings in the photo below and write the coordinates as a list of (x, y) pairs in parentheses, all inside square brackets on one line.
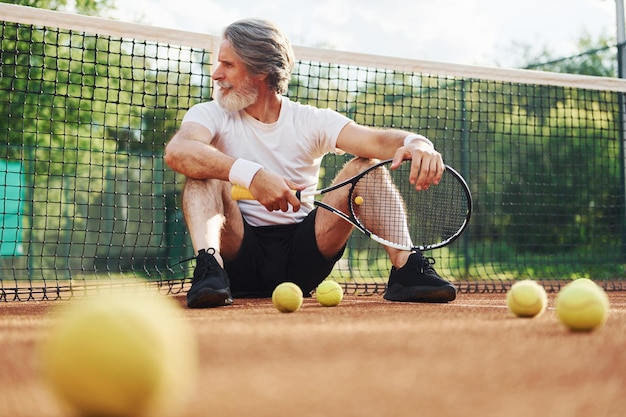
[(437, 213), (433, 216), (382, 211)]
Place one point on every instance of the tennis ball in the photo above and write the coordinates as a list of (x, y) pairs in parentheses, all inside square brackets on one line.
[(287, 297), (527, 299), (358, 200), (582, 305), (329, 293), (587, 281), (120, 355)]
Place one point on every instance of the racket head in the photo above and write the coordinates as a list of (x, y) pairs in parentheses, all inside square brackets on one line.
[(403, 218)]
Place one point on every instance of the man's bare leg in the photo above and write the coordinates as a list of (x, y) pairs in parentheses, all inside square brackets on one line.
[(212, 218), (216, 229), (412, 277), (332, 232)]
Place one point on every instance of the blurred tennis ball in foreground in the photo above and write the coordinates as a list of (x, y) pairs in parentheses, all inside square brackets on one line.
[(120, 355), (527, 299), (582, 305), (287, 297), (358, 200), (329, 293)]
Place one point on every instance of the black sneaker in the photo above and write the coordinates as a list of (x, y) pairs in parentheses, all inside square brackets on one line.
[(417, 281), (210, 286)]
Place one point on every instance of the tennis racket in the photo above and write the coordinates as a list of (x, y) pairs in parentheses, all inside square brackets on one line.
[(386, 207)]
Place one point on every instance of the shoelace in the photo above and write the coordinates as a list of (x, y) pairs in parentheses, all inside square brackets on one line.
[(202, 266), (427, 261)]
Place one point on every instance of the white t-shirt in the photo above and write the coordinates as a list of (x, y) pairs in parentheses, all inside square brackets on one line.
[(292, 147)]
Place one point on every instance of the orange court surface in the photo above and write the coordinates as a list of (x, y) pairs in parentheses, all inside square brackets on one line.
[(366, 357)]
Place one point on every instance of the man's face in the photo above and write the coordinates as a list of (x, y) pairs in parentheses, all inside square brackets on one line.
[(235, 89)]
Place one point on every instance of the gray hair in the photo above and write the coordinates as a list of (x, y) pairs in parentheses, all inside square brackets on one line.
[(264, 49)]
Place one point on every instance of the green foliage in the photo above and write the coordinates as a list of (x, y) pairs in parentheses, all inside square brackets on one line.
[(545, 165), (79, 93), (597, 57), (88, 7), (90, 115)]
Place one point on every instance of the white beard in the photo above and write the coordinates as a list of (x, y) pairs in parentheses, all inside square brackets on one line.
[(236, 98)]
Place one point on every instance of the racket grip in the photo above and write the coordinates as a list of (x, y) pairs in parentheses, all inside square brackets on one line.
[(238, 192)]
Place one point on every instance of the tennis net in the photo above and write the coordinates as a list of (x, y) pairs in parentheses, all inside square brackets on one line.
[(87, 105)]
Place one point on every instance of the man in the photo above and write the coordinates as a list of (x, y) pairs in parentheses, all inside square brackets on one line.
[(253, 136)]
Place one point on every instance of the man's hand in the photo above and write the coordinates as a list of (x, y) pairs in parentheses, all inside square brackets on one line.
[(426, 163), (274, 192)]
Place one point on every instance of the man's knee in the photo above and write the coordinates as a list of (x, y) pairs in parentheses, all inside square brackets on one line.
[(357, 165), (210, 194), (203, 186)]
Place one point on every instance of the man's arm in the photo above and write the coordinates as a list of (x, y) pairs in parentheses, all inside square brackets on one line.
[(366, 142), (190, 153)]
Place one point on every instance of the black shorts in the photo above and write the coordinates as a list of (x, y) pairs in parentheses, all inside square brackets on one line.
[(270, 255)]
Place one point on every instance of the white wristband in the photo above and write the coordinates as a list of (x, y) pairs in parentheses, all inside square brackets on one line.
[(243, 171), (410, 138)]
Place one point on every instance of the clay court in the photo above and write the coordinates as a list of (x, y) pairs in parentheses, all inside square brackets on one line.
[(366, 357)]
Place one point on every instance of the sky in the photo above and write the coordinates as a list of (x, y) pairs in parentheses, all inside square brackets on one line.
[(473, 32)]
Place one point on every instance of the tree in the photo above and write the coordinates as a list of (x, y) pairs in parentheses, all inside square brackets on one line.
[(87, 7), (596, 57), (564, 189)]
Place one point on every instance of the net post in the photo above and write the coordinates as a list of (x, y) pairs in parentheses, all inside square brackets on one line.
[(465, 171), (621, 70)]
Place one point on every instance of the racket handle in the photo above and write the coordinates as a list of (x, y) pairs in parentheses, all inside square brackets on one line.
[(238, 192)]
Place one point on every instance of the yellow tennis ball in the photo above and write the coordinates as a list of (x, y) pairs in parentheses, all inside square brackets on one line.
[(287, 297), (582, 305), (527, 299), (329, 293), (587, 281), (120, 355), (358, 200)]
